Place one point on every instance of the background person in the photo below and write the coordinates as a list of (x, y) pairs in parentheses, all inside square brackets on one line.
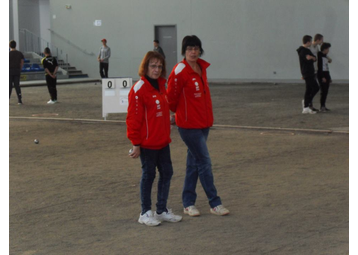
[(189, 97), (148, 128), (157, 48), (315, 48), (307, 60), (16, 61), (323, 75), (51, 66), (103, 59)]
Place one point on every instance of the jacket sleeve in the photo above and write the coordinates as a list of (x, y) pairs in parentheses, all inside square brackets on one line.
[(303, 55), (43, 62), (319, 63), (135, 117), (55, 62), (175, 87)]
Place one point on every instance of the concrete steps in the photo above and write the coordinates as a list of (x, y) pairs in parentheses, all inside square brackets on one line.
[(66, 71), (72, 71)]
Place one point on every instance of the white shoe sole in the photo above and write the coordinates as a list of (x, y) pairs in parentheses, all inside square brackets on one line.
[(171, 220), (192, 215), (148, 224), (213, 212)]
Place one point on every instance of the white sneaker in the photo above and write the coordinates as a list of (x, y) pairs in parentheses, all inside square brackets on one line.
[(148, 219), (51, 102), (191, 211), (219, 210), (307, 110), (168, 216)]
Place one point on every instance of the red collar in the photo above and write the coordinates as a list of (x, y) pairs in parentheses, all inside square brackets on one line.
[(202, 63)]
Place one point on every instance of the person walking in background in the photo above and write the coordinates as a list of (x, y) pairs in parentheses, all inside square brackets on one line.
[(323, 75), (189, 97), (315, 48), (16, 61), (157, 48), (307, 60), (103, 59), (148, 128), (51, 66)]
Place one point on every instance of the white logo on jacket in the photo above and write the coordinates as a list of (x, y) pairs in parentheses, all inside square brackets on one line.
[(197, 86), (158, 104)]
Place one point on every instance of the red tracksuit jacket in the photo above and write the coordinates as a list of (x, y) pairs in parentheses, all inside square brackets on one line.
[(189, 96), (148, 120)]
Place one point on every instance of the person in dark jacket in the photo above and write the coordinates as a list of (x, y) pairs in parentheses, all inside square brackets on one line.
[(323, 75), (307, 60), (51, 66), (157, 48), (16, 59)]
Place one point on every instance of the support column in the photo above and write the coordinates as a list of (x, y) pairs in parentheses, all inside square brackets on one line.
[(15, 21)]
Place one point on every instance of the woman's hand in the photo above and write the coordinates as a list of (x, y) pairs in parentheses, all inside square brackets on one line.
[(135, 152), (172, 119)]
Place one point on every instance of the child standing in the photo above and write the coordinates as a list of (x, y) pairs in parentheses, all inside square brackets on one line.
[(323, 75), (51, 67)]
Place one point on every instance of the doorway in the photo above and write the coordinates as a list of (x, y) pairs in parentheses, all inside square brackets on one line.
[(167, 36)]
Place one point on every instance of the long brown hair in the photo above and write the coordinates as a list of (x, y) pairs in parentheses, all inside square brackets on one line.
[(144, 65)]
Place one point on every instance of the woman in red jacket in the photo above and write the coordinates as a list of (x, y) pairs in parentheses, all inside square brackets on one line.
[(189, 97), (148, 128)]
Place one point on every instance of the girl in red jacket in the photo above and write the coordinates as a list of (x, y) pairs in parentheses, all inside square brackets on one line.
[(189, 97), (148, 128)]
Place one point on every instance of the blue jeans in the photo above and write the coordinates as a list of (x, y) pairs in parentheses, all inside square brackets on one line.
[(152, 159), (198, 165)]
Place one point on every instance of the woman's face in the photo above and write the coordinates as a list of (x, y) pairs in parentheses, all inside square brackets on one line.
[(192, 53), (155, 67)]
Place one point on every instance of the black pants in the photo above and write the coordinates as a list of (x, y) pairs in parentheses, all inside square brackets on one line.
[(51, 85), (311, 90), (103, 67), (324, 87), (14, 80)]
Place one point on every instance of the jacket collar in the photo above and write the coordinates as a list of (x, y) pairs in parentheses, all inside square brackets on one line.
[(202, 63), (161, 82)]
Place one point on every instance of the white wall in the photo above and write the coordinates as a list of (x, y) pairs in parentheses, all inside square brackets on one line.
[(45, 21), (11, 21), (29, 15), (242, 39)]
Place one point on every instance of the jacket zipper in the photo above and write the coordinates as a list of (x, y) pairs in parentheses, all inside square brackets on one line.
[(206, 111), (146, 121)]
